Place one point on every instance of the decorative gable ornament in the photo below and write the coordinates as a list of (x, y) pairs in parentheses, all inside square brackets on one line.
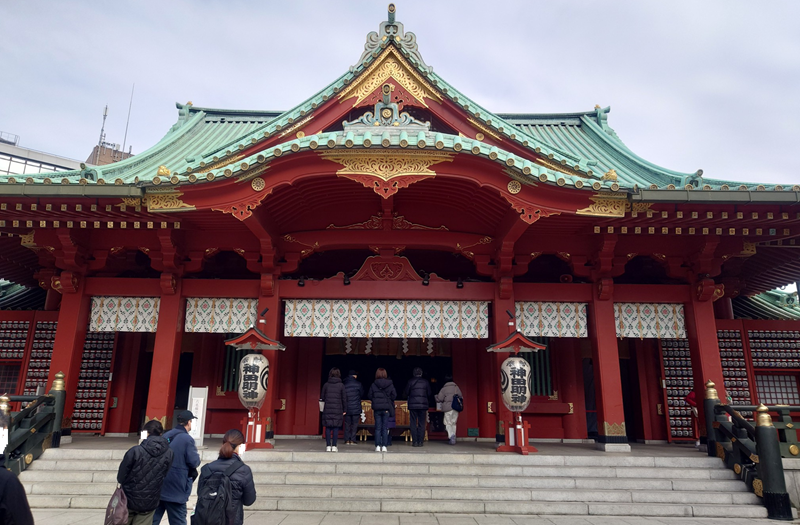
[(387, 114), (391, 31)]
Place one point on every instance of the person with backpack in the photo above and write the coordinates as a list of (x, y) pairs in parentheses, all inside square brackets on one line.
[(354, 391), (178, 483), (142, 474), (334, 399), (382, 394), (418, 395), (226, 486), (450, 397), (14, 506)]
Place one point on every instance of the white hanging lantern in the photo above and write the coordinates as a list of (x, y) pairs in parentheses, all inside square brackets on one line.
[(253, 380), (515, 383)]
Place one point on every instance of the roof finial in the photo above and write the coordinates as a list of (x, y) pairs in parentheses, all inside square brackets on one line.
[(391, 32)]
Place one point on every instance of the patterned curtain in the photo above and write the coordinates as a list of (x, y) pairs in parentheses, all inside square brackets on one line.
[(650, 320), (387, 319), (551, 319), (124, 314), (220, 315)]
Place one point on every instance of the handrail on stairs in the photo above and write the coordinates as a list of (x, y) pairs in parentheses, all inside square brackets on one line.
[(754, 453), (26, 434)]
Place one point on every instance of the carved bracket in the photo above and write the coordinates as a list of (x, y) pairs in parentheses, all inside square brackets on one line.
[(528, 212), (243, 210), (388, 267), (705, 290), (67, 282), (169, 283), (605, 289)]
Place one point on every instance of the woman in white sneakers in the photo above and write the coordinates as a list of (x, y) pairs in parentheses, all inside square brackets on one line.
[(445, 397)]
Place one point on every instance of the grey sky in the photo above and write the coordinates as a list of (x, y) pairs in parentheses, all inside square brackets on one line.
[(711, 84)]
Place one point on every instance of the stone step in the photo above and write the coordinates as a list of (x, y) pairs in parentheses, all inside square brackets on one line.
[(450, 506), (431, 469), (421, 492), (351, 456), (406, 480)]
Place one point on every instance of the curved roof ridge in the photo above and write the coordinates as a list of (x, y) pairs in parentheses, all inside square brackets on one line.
[(619, 146), (222, 111)]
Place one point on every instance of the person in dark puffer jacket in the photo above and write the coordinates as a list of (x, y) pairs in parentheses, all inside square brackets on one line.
[(142, 473), (418, 393), (335, 399), (354, 391), (382, 394), (243, 489), (178, 483)]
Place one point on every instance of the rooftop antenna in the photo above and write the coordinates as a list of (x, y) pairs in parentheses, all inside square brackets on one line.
[(102, 135), (124, 140)]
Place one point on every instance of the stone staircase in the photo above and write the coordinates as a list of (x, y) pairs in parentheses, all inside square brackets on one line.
[(490, 483)]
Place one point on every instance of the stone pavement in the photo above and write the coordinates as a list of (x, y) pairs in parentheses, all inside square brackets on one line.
[(70, 517)]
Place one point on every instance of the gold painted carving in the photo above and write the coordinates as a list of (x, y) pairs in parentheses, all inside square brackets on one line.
[(514, 187), (605, 205), (465, 249), (304, 253), (387, 166), (390, 65), (27, 240), (758, 488), (375, 222), (614, 429), (386, 172), (556, 166), (258, 184), (163, 171), (158, 201), (252, 173), (220, 163), (610, 175), (485, 129)]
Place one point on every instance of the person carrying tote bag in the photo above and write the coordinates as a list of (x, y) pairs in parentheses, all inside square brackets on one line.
[(141, 475)]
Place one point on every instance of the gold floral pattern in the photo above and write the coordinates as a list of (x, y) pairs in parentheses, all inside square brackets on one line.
[(391, 65)]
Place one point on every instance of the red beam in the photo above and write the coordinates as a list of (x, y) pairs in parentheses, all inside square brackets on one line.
[(577, 293), (408, 290), (236, 288), (652, 293), (123, 287)]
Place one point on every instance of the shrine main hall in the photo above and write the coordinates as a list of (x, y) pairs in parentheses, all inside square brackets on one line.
[(390, 221)]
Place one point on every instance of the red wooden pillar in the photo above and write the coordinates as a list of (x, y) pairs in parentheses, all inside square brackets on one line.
[(73, 320), (701, 329), (123, 387), (166, 356), (570, 377), (486, 392), (503, 327), (270, 329), (605, 363)]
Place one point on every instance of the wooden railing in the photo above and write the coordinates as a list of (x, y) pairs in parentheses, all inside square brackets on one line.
[(752, 452), (35, 428)]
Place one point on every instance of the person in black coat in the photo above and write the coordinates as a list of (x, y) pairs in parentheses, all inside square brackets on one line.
[(14, 506), (335, 399), (418, 393), (382, 394), (243, 489), (354, 391), (142, 474)]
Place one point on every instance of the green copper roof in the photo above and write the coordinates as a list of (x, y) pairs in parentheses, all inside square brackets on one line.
[(775, 304), (576, 149)]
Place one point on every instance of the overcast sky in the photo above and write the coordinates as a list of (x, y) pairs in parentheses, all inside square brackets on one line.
[(692, 84)]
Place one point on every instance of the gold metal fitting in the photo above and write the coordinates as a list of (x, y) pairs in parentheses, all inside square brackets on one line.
[(5, 406), (763, 419), (58, 382), (711, 392)]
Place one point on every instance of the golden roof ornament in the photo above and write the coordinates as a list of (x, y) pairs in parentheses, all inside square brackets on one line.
[(610, 175), (163, 171), (711, 392), (58, 382), (763, 419)]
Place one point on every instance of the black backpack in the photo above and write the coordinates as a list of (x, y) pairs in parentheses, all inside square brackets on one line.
[(215, 499), (458, 403)]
